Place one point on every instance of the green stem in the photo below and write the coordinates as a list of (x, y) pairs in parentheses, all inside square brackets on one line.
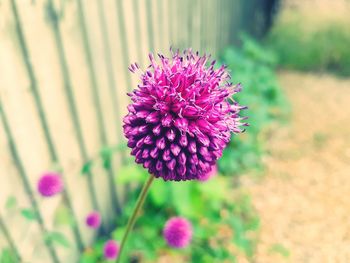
[(132, 219)]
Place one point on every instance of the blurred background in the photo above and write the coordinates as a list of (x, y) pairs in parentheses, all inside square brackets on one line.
[(281, 190)]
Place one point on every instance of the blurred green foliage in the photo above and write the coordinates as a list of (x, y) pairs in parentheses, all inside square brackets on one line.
[(325, 47), (7, 256), (225, 224), (254, 67), (57, 238), (279, 249), (29, 214), (11, 202)]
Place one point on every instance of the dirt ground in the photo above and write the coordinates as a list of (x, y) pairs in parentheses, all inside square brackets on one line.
[(304, 199)]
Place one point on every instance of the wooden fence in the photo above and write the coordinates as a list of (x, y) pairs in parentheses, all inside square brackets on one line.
[(63, 85)]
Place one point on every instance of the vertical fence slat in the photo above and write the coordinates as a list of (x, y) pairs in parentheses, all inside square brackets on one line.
[(161, 33), (178, 22), (138, 31), (226, 13), (109, 67), (124, 45), (150, 25), (215, 31), (42, 116), (190, 24), (9, 240), (195, 25), (165, 12), (221, 12), (202, 26), (176, 25), (22, 173), (171, 22), (71, 99), (97, 105)]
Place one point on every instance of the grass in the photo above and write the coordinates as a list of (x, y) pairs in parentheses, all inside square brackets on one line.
[(321, 47)]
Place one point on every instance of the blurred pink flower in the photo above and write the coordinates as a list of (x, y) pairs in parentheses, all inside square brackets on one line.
[(50, 184), (93, 220), (111, 250), (177, 232)]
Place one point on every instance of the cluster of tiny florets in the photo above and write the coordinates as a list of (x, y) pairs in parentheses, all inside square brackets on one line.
[(111, 250), (50, 184), (181, 116), (213, 172), (177, 232), (93, 220)]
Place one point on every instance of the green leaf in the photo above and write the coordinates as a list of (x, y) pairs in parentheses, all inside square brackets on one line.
[(280, 249), (216, 188), (89, 257), (181, 198), (107, 151), (29, 214), (106, 156), (159, 192), (86, 168), (94, 253), (57, 237), (63, 216), (121, 147), (131, 173), (11, 202), (7, 256), (118, 233), (106, 163)]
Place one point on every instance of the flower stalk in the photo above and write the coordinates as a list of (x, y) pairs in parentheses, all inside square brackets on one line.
[(132, 219)]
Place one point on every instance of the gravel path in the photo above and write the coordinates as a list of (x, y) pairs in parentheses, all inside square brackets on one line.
[(304, 199)]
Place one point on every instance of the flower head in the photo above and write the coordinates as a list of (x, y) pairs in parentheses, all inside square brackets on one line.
[(111, 250), (177, 232), (93, 220), (181, 116), (210, 174), (49, 184)]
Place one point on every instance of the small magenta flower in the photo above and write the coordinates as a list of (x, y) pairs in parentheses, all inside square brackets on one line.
[(50, 184), (181, 116), (93, 220), (210, 174), (111, 250), (177, 232)]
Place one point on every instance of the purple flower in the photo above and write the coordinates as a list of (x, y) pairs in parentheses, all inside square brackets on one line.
[(111, 250), (210, 174), (93, 220), (49, 184), (182, 115), (177, 232)]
